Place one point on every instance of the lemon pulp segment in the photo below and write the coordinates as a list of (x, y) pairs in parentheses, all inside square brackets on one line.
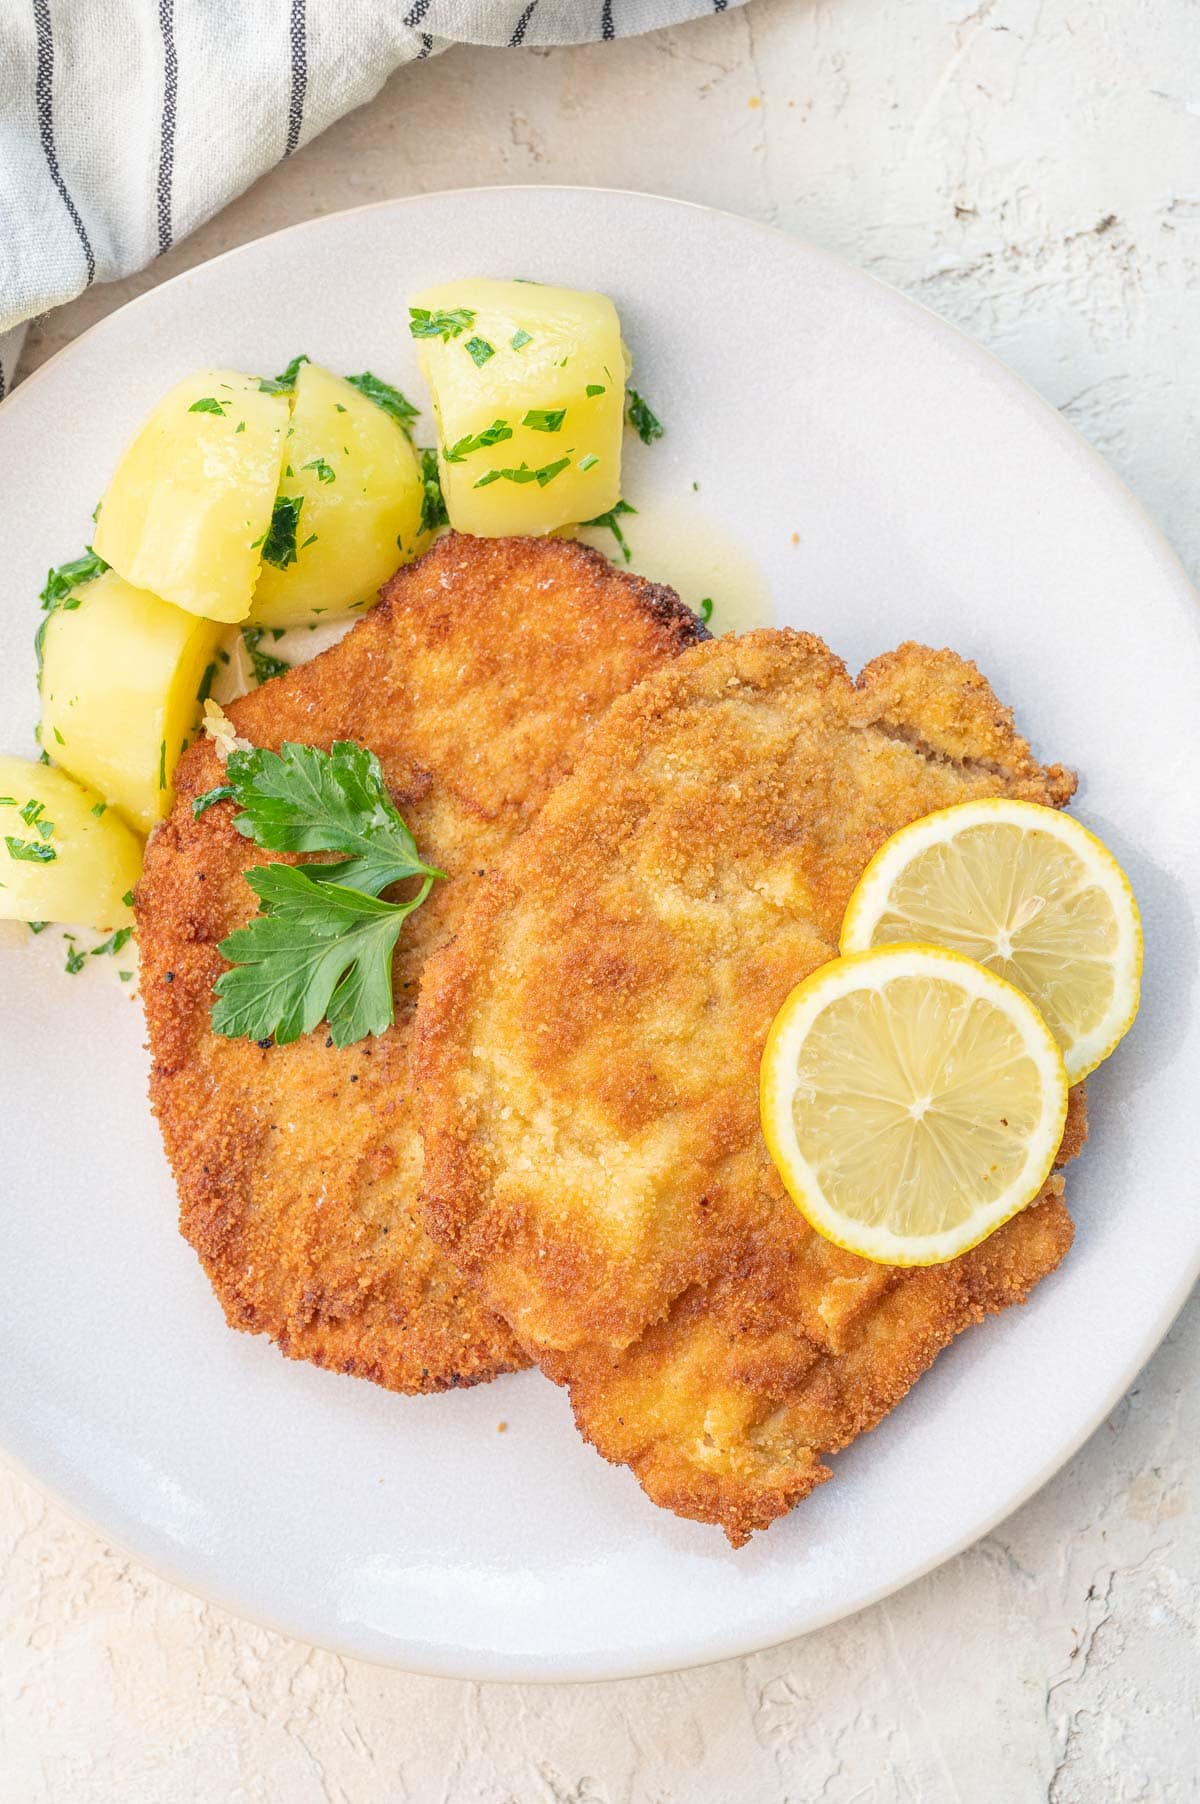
[(912, 1102), (1029, 893)]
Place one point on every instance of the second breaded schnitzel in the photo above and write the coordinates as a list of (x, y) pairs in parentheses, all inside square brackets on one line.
[(475, 680), (588, 1054)]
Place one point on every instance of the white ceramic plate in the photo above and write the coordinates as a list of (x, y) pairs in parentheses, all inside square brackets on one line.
[(934, 497)]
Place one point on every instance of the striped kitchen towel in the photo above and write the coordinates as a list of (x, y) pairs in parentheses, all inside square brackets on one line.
[(125, 123)]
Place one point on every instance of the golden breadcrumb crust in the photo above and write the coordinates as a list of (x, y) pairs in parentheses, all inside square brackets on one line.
[(588, 1051), (476, 680)]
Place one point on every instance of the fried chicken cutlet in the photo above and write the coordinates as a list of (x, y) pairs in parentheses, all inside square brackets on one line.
[(588, 1051), (475, 680)]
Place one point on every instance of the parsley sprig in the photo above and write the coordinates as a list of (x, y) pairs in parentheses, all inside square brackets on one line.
[(321, 946), (642, 417), (59, 592), (433, 503), (445, 324), (285, 382), (610, 522), (389, 398)]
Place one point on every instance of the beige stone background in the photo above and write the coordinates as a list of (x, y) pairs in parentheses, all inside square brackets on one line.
[(1031, 169)]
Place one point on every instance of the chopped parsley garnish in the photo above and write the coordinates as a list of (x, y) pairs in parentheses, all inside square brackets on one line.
[(114, 943), (59, 592), (240, 427), (706, 608), (310, 540), (29, 851), (31, 811), (209, 404), (99, 809), (495, 434), (162, 764), (127, 898), (480, 350), (58, 739), (60, 582), (76, 960), (390, 399), (444, 325), (545, 419), (37, 926), (125, 976), (206, 683), (262, 663), (523, 474), (433, 505), (279, 545), (589, 462), (224, 792), (8, 801), (325, 471), (284, 384), (45, 829), (643, 419), (321, 946), (595, 388), (610, 522), (520, 339)]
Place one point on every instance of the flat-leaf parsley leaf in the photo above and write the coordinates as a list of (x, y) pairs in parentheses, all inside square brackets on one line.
[(643, 419), (433, 504), (321, 947), (285, 383), (279, 546), (609, 522), (390, 399), (422, 323)]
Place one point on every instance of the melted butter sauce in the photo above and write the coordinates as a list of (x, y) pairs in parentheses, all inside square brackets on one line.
[(674, 544), (678, 544)]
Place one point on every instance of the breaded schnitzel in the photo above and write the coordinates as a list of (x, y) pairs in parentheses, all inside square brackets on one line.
[(588, 1051), (476, 679)]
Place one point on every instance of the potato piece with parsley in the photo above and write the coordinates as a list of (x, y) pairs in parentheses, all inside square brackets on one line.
[(528, 387), (123, 680), (190, 502), (64, 856), (350, 501)]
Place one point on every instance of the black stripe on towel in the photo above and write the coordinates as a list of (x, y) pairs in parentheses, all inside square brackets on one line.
[(720, 5), (44, 99), (299, 42), (166, 135), (607, 29), (2, 386), (416, 13), (426, 47), (518, 36)]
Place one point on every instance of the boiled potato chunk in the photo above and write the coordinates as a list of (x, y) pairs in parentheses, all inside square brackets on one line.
[(359, 485), (528, 387), (59, 859), (122, 673), (190, 503)]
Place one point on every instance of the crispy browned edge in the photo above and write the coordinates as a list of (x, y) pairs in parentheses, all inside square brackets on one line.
[(928, 1307), (187, 900)]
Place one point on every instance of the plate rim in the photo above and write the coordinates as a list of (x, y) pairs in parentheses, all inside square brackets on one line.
[(699, 1651)]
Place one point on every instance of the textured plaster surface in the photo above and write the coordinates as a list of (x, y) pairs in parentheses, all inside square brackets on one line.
[(1031, 169)]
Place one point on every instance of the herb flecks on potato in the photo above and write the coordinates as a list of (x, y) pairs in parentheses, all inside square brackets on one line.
[(124, 676), (350, 502), (189, 506), (528, 387), (64, 855)]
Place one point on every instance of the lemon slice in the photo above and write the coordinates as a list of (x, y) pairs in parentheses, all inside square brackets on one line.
[(1027, 892), (912, 1102)]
